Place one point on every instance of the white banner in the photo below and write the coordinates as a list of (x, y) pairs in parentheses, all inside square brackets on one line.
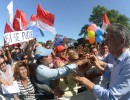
[(18, 36)]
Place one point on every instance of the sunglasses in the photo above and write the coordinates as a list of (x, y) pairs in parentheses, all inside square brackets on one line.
[(2, 63)]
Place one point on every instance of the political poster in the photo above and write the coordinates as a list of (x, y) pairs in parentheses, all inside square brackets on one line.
[(18, 36)]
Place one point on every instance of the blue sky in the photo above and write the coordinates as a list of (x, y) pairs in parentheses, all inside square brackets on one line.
[(70, 15)]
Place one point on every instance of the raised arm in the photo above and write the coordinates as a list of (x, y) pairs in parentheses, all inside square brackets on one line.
[(7, 52), (52, 44)]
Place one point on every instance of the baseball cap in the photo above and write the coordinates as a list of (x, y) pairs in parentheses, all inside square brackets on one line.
[(60, 48), (41, 51)]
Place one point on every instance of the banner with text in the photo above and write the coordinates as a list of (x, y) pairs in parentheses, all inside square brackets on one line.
[(18, 36)]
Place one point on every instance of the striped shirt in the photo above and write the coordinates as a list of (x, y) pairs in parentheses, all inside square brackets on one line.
[(25, 91)]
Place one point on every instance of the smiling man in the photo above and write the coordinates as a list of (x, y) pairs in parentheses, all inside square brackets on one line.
[(118, 72)]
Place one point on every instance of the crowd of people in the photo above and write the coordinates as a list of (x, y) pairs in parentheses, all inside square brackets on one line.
[(43, 71)]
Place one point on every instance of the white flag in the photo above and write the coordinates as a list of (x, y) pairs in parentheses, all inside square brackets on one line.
[(8, 26), (10, 13)]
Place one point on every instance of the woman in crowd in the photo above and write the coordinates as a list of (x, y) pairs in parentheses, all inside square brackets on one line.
[(21, 74), (24, 58), (41, 88), (6, 74)]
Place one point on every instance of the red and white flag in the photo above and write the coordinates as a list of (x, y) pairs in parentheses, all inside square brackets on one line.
[(45, 20), (33, 20), (17, 24), (8, 26), (20, 21), (106, 22)]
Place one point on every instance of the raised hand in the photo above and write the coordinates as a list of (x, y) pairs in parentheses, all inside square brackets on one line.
[(6, 46), (59, 63)]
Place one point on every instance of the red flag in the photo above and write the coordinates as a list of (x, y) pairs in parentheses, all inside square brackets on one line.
[(45, 16), (106, 22), (7, 28), (16, 24), (24, 20), (45, 20), (105, 18), (21, 17), (33, 20)]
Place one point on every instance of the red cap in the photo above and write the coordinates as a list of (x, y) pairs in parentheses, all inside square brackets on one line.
[(17, 45), (60, 48)]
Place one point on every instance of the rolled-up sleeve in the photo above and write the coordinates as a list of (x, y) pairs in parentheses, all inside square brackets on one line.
[(118, 90), (101, 93), (98, 92)]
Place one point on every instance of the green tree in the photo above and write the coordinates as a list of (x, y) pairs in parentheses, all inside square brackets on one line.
[(113, 15), (97, 18), (97, 15), (83, 30)]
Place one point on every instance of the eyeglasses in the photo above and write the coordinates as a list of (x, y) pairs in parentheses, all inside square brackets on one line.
[(2, 63)]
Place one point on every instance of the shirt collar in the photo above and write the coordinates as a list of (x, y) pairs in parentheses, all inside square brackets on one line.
[(123, 55)]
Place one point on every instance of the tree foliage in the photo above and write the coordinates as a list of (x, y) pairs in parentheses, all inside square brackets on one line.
[(83, 30), (113, 15), (97, 15)]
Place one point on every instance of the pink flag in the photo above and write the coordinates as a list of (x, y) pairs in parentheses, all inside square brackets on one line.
[(20, 20), (33, 20), (45, 20), (106, 22), (8, 26)]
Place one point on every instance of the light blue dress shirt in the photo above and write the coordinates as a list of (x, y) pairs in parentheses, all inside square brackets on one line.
[(44, 74), (118, 74), (109, 59)]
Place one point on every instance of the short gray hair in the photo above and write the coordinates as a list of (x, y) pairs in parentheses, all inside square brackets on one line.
[(120, 30)]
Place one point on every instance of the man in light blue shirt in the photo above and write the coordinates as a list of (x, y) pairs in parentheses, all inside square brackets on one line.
[(119, 77), (118, 72), (44, 74)]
